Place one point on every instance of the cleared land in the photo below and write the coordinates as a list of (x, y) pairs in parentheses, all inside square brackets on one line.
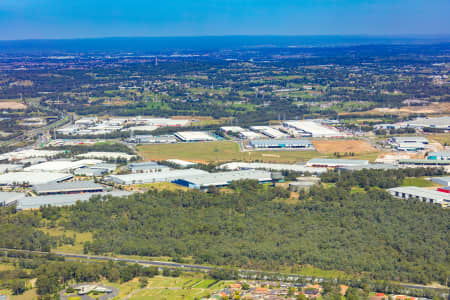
[(443, 138), (332, 146), (12, 105)]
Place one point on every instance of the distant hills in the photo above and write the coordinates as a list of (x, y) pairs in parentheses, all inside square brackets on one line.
[(145, 45)]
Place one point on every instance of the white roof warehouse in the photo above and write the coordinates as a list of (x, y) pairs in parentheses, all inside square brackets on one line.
[(424, 195), (223, 178), (163, 176), (32, 178), (72, 187)]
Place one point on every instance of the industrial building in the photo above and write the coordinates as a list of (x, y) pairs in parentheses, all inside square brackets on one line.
[(441, 155), (369, 167), (161, 122), (222, 178), (146, 167), (62, 200), (151, 139), (29, 153), (107, 155), (72, 187), (105, 166), (249, 135), (269, 131), (311, 129), (181, 163), (424, 195), (10, 198), (282, 144), (441, 180), (5, 168), (141, 128), (271, 167), (235, 129), (194, 136), (32, 178), (441, 123), (62, 165), (90, 172), (334, 163), (163, 176), (298, 186), (424, 162), (409, 143)]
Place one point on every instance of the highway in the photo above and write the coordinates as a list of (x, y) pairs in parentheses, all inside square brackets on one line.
[(199, 268)]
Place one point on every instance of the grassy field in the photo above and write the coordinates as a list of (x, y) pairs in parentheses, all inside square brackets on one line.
[(28, 295), (419, 181), (220, 151), (161, 287), (79, 240), (443, 138), (207, 152), (161, 186)]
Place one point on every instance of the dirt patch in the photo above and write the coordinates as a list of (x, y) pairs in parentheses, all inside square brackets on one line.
[(12, 105), (331, 146)]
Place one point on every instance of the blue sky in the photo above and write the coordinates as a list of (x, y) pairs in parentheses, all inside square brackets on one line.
[(22, 19)]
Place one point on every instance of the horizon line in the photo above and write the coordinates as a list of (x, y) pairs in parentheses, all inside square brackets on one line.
[(411, 35)]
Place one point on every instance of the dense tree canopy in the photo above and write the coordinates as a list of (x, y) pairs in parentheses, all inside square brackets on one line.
[(251, 227)]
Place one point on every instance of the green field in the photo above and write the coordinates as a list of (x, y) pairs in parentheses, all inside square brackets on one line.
[(443, 138), (81, 238), (161, 287), (418, 181), (207, 152)]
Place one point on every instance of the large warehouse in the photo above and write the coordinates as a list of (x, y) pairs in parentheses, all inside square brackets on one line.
[(269, 131), (107, 155), (222, 178), (146, 167), (441, 122), (250, 135), (312, 129), (10, 198), (410, 143), (32, 178), (18, 155), (334, 163), (152, 139), (62, 200), (441, 180), (5, 168), (62, 165), (194, 136), (73, 187), (282, 144), (424, 195), (163, 176), (271, 167)]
